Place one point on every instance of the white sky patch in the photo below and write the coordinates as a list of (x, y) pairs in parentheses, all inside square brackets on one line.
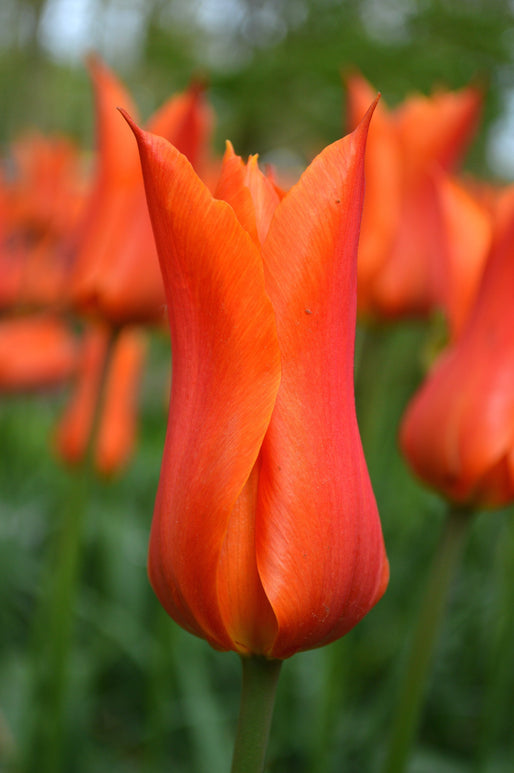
[(500, 143), (67, 29), (70, 29)]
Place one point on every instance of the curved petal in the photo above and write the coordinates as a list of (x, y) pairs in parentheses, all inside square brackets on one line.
[(73, 431), (467, 238), (438, 129), (319, 544), (186, 121), (226, 373), (118, 423), (232, 188), (384, 189), (118, 174), (251, 194), (405, 284)]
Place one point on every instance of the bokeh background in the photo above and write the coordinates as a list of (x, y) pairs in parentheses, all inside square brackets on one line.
[(143, 695)]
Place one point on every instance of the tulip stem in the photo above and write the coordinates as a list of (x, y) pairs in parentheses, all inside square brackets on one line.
[(412, 688), (260, 677), (496, 714), (54, 623)]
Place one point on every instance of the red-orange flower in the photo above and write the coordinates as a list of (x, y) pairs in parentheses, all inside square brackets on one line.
[(40, 207), (458, 431), (266, 536), (117, 274), (401, 236), (115, 438)]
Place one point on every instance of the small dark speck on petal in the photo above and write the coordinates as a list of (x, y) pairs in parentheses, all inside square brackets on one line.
[(308, 311)]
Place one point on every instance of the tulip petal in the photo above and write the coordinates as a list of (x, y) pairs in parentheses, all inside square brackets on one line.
[(468, 227), (36, 351), (226, 373), (186, 121), (437, 129), (117, 176), (75, 425), (251, 194), (232, 188), (458, 430), (318, 538), (118, 423)]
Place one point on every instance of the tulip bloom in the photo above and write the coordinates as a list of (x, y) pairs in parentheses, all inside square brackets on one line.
[(458, 431), (40, 207), (117, 420), (116, 274), (401, 237), (265, 537)]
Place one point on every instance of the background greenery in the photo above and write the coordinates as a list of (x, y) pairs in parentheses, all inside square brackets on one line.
[(143, 695)]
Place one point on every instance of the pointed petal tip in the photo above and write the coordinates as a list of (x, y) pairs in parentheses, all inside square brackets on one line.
[(371, 109), (229, 149), (138, 132)]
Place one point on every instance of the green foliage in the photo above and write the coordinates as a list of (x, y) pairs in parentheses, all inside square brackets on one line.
[(145, 696)]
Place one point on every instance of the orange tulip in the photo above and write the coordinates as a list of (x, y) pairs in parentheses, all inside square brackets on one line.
[(41, 204), (458, 431), (35, 352), (401, 236), (266, 537), (117, 420), (117, 275)]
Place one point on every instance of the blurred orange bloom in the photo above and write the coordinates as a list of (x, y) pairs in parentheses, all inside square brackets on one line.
[(401, 236), (266, 536), (40, 205), (458, 431), (35, 352), (116, 274), (116, 432)]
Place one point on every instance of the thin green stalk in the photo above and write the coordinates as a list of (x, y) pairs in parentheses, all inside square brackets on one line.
[(260, 677), (496, 713), (332, 691), (54, 623), (413, 684)]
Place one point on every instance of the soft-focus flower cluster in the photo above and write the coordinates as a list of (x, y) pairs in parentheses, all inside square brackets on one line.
[(433, 241), (79, 269)]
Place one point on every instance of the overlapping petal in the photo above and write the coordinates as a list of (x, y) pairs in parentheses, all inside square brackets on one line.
[(226, 375), (265, 537), (318, 537)]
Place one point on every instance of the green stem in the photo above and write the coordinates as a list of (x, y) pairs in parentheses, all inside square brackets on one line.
[(54, 624), (496, 713), (260, 677), (412, 688), (327, 715)]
